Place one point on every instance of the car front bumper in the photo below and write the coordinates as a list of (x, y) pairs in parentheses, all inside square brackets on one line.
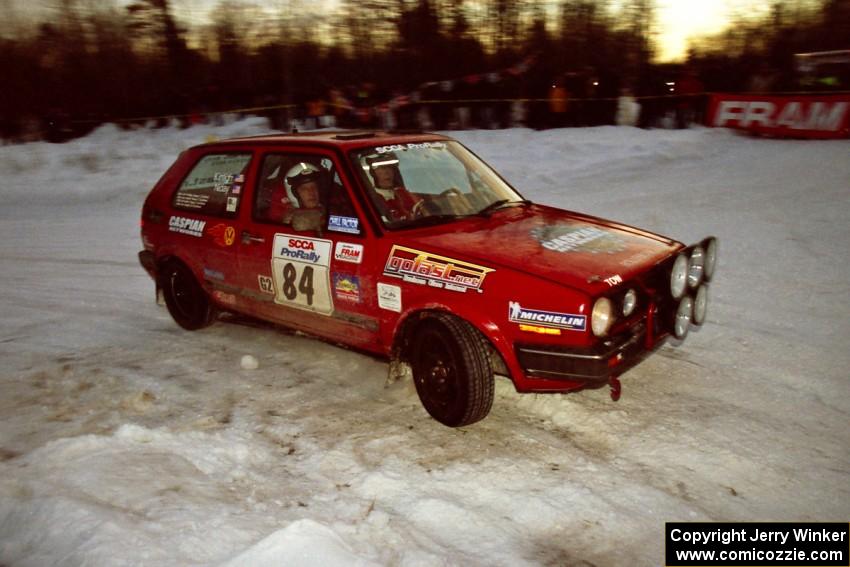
[(588, 367)]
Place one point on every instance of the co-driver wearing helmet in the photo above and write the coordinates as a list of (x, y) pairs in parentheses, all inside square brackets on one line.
[(396, 200)]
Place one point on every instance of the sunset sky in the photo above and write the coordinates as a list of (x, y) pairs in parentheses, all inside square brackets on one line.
[(677, 20)]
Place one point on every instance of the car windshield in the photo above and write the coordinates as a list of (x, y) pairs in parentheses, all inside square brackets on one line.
[(416, 184)]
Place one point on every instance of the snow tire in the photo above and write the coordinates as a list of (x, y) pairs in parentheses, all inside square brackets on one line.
[(452, 370), (187, 302)]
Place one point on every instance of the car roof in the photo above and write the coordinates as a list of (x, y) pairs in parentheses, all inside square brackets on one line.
[(343, 139)]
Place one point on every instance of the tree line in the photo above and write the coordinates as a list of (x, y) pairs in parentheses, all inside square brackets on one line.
[(89, 62)]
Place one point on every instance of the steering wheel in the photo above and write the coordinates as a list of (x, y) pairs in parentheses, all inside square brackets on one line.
[(418, 210)]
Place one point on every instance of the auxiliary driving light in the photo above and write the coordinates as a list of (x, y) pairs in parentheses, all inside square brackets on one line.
[(700, 304), (682, 320), (696, 264), (679, 276), (710, 257), (629, 302)]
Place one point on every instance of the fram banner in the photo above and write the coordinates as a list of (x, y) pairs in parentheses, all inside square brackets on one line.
[(796, 116)]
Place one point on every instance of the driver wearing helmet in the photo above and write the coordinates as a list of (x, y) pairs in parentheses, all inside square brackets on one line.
[(396, 202), (304, 188)]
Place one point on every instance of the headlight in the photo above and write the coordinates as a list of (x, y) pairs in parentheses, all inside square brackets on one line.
[(602, 316), (679, 276), (696, 264), (682, 321), (710, 257), (629, 302), (700, 304)]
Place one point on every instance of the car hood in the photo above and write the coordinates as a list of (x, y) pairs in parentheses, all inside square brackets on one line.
[(561, 246)]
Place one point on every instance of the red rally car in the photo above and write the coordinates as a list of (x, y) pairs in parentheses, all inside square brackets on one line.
[(410, 247)]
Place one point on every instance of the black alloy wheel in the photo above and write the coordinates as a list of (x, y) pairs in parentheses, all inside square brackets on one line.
[(452, 370)]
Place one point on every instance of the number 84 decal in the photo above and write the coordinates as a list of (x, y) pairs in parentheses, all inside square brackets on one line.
[(301, 274), (303, 286)]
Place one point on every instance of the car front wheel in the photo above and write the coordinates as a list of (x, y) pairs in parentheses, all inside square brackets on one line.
[(452, 370), (187, 303)]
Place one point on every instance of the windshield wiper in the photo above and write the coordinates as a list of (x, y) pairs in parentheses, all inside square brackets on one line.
[(499, 204)]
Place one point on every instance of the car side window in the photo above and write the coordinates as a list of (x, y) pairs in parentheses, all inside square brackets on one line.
[(214, 185), (303, 191)]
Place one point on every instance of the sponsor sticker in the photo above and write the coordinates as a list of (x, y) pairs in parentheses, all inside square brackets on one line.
[(184, 225), (223, 235), (347, 252), (213, 274), (266, 284), (351, 225), (226, 298), (423, 268), (568, 237), (307, 250), (347, 287), (537, 317), (232, 203), (389, 297), (410, 146)]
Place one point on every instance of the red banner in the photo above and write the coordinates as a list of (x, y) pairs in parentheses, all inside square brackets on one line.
[(792, 116)]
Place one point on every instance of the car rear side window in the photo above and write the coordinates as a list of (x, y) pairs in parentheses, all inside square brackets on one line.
[(214, 186)]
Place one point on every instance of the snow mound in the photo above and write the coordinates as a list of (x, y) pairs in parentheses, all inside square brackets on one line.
[(304, 543)]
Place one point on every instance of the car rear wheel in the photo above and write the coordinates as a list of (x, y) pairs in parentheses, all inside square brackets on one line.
[(452, 370), (187, 302)]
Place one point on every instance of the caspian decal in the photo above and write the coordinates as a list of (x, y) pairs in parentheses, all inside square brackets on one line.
[(568, 237), (183, 225), (423, 268), (222, 234), (569, 321)]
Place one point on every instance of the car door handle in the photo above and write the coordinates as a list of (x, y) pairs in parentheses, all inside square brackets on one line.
[(248, 238)]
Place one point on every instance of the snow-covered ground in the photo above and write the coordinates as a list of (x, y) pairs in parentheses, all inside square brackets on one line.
[(125, 440)]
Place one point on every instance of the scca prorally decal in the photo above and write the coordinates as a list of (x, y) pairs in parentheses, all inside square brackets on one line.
[(183, 225), (566, 237), (420, 267), (306, 250), (569, 321)]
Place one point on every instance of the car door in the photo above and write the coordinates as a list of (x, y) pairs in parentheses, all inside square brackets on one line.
[(205, 219), (302, 268)]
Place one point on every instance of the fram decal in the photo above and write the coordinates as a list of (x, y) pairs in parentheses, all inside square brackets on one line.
[(222, 234), (569, 321), (421, 267), (183, 225), (347, 252)]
